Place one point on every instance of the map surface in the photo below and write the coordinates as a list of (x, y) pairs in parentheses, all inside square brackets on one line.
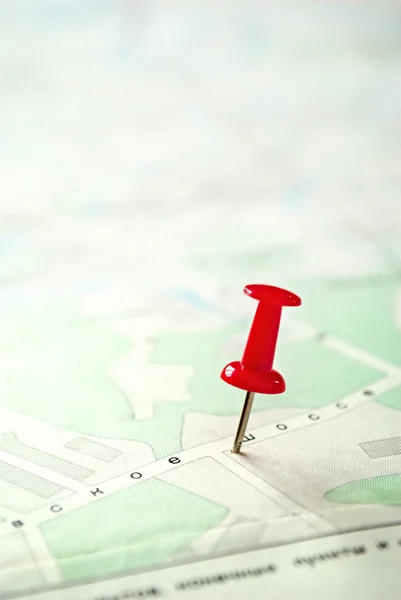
[(155, 158)]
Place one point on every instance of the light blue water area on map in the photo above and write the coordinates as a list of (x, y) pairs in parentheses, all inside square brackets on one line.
[(9, 300), (93, 207), (8, 243), (295, 197), (197, 301), (92, 284), (60, 12), (253, 35)]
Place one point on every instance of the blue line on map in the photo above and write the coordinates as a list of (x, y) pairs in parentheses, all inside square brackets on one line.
[(195, 300)]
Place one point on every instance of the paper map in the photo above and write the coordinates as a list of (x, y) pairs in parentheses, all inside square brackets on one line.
[(156, 157)]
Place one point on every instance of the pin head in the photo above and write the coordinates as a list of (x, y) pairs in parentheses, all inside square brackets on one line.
[(272, 295)]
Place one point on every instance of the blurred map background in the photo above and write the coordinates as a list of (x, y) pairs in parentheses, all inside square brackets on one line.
[(155, 157)]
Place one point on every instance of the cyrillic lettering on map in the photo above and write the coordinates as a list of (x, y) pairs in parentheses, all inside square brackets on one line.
[(17, 524)]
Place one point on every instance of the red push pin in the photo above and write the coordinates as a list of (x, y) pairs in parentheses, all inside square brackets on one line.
[(254, 373)]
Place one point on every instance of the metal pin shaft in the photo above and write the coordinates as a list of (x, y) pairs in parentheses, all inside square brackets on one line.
[(243, 422)]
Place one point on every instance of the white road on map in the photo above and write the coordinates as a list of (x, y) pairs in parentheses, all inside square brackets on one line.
[(46, 564)]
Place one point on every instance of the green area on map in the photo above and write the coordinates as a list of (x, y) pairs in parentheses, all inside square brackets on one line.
[(385, 489), (133, 528)]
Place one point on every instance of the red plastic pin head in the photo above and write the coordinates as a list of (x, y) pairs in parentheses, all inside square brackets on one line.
[(255, 370)]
